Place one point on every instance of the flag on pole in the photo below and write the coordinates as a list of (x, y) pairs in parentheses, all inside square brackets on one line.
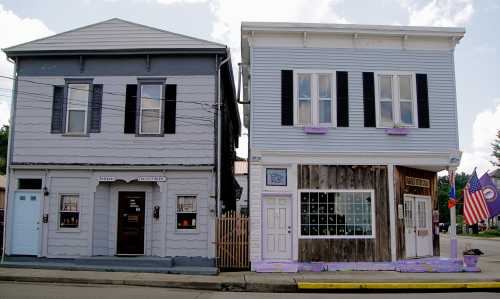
[(475, 208), (452, 200), (491, 194)]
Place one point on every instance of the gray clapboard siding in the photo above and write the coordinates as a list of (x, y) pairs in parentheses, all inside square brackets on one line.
[(193, 142), (268, 134)]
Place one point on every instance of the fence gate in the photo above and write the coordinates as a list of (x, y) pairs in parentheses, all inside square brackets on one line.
[(232, 241)]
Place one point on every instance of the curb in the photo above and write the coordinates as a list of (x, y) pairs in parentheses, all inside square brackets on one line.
[(491, 285)]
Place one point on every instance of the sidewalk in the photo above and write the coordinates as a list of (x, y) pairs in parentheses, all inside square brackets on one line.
[(255, 282)]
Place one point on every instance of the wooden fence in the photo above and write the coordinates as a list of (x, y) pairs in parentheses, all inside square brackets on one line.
[(232, 241)]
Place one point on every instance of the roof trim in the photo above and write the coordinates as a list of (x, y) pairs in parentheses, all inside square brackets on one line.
[(457, 32), (12, 49), (158, 51)]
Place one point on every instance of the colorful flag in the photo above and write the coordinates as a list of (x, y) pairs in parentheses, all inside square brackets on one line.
[(452, 201), (491, 194), (475, 208)]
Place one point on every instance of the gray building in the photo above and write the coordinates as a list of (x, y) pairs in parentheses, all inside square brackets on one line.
[(113, 146)]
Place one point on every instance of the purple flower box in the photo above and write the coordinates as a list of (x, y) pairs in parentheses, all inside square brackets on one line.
[(397, 131), (315, 130)]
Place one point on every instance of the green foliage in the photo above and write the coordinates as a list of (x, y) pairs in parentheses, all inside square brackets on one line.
[(4, 141), (496, 150), (443, 196)]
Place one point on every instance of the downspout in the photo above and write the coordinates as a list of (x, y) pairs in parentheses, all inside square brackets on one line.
[(239, 87), (219, 131), (9, 154)]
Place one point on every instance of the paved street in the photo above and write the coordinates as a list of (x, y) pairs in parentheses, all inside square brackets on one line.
[(52, 291)]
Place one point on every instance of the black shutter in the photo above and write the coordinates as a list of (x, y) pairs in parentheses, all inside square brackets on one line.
[(422, 101), (369, 99), (342, 100), (170, 107), (57, 123), (96, 109), (287, 98), (130, 108)]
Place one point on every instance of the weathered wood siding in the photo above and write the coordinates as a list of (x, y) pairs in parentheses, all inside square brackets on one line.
[(349, 177), (400, 189)]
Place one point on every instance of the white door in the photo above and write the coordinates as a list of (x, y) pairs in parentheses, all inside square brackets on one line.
[(26, 223), (277, 228), (418, 226)]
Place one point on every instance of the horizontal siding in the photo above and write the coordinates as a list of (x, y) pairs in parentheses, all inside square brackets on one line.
[(268, 134), (193, 142)]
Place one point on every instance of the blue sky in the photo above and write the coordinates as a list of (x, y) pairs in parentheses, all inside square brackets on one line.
[(477, 56)]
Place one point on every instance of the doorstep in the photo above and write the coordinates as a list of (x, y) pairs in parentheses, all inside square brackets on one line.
[(167, 265)]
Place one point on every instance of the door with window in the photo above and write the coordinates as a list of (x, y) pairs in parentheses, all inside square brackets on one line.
[(130, 223), (26, 223), (277, 228), (418, 225)]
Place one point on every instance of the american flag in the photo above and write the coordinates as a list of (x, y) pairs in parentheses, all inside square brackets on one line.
[(475, 208)]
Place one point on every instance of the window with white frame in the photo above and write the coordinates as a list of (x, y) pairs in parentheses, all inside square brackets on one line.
[(69, 212), (396, 104), (314, 96), (186, 212), (76, 114), (336, 214), (150, 114)]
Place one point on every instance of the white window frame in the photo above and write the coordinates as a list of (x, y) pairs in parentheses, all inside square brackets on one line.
[(85, 108), (373, 223), (315, 100), (59, 211), (396, 109), (187, 230), (162, 92)]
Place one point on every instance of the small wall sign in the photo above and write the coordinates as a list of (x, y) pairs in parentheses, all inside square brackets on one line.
[(107, 179), (417, 182), (400, 211), (152, 179), (276, 177)]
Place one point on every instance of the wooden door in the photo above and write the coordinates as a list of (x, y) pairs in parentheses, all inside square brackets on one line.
[(423, 225), (277, 229), (410, 230), (130, 223)]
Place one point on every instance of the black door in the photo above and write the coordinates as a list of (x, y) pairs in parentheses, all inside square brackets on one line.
[(130, 223)]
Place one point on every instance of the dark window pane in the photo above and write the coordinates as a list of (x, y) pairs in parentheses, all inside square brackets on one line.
[(33, 184), (332, 230), (314, 208), (341, 230), (331, 219), (331, 208), (304, 197), (314, 230), (69, 219), (304, 219), (304, 230), (314, 219), (186, 220), (322, 208), (323, 230), (323, 197), (331, 197), (322, 219), (314, 197), (340, 219), (304, 208), (350, 230)]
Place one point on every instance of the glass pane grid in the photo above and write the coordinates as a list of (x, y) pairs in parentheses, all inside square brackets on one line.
[(336, 214)]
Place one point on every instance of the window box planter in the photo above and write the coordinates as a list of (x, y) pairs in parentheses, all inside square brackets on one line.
[(315, 130), (397, 131)]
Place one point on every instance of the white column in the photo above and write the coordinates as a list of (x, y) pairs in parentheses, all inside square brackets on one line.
[(163, 217), (452, 230), (392, 210)]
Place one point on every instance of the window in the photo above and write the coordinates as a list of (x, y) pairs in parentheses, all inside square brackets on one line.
[(150, 116), (276, 176), (78, 99), (30, 184), (336, 214), (314, 98), (69, 213), (396, 103), (186, 212)]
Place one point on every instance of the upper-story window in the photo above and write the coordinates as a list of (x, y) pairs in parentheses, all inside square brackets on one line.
[(77, 107), (314, 98), (396, 104), (150, 114)]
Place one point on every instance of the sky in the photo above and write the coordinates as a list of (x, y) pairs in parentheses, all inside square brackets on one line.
[(477, 59)]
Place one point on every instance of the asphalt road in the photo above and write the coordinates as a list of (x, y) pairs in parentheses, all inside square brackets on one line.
[(55, 291)]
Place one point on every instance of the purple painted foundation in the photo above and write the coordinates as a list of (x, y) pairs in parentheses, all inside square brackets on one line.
[(453, 249)]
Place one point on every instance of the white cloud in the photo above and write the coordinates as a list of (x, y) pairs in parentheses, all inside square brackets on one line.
[(484, 130), (15, 30), (439, 12)]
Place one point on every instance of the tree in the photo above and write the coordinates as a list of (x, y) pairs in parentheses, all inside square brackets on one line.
[(443, 195), (4, 141), (496, 150)]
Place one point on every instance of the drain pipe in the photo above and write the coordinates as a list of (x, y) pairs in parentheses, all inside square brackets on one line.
[(9, 155), (240, 67), (219, 131)]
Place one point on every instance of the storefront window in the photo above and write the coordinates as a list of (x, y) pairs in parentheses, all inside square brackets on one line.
[(186, 212), (69, 214)]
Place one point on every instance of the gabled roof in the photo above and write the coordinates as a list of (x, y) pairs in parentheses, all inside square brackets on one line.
[(112, 35)]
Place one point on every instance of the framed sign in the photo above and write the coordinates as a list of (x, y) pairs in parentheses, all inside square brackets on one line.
[(152, 179), (276, 177)]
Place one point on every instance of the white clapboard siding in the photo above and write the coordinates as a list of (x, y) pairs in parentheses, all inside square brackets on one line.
[(268, 134)]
